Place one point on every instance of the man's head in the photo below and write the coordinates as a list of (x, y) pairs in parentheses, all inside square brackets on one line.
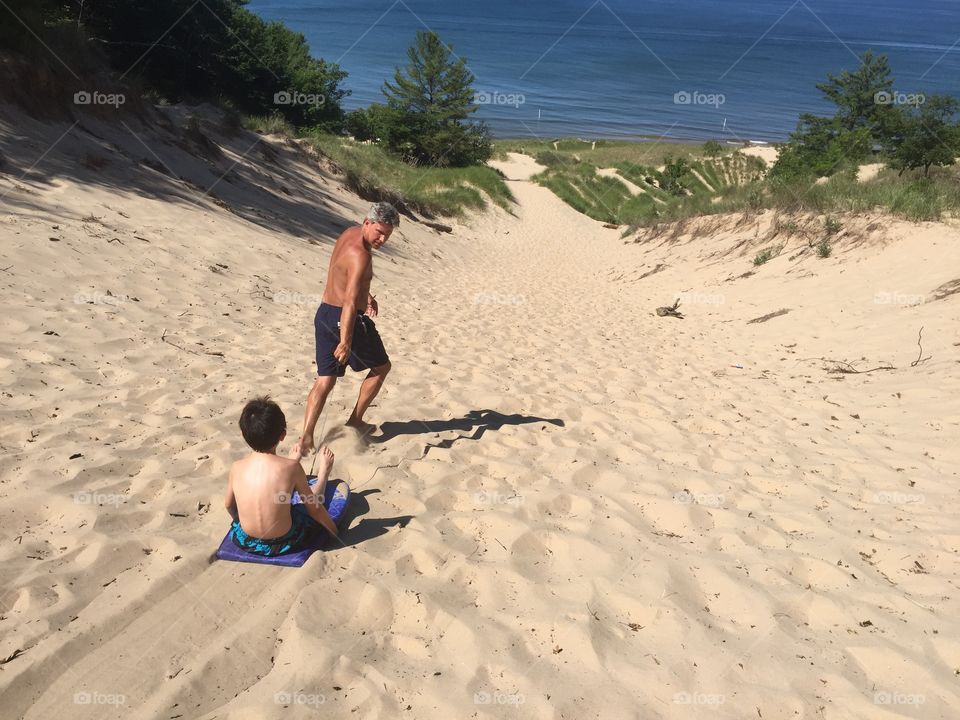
[(379, 223), (263, 424)]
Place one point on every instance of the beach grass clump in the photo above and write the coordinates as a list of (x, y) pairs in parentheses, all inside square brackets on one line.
[(832, 225), (824, 248), (273, 124), (765, 255), (377, 175)]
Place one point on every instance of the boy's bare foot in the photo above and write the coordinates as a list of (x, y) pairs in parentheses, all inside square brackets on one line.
[(326, 463)]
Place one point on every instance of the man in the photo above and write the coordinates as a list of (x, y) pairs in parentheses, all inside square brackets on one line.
[(345, 332)]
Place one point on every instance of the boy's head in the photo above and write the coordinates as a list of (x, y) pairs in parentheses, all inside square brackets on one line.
[(263, 424)]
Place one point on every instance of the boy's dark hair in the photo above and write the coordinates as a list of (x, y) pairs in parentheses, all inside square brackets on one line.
[(262, 423)]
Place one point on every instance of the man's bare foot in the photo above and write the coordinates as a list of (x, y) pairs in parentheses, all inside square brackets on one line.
[(365, 428), (325, 465)]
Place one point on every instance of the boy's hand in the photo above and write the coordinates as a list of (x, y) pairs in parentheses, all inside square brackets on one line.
[(295, 452)]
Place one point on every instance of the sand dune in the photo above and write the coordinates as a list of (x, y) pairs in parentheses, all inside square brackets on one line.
[(573, 508)]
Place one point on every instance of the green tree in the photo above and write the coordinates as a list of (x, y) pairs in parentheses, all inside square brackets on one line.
[(712, 148), (926, 136), (820, 147), (865, 117), (430, 101), (675, 176), (863, 97)]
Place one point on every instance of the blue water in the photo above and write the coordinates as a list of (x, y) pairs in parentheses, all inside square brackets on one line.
[(614, 68)]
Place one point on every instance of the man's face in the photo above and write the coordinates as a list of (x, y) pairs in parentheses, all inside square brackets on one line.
[(376, 234)]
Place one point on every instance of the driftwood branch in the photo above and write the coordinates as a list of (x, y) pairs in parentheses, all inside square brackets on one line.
[(163, 337), (842, 366), (920, 357)]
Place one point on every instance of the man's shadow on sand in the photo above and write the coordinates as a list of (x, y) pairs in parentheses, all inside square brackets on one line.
[(367, 528), (479, 421)]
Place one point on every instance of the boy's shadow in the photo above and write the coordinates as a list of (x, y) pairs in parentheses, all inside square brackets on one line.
[(367, 528), (479, 421)]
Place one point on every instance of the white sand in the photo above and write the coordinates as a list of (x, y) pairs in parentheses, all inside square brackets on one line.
[(583, 510), (767, 153)]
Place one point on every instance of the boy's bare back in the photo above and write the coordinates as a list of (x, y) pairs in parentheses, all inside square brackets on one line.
[(262, 485)]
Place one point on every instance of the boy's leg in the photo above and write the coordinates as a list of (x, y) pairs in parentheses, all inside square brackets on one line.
[(368, 391), (315, 402)]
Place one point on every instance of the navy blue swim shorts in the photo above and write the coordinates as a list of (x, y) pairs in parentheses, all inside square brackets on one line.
[(366, 350)]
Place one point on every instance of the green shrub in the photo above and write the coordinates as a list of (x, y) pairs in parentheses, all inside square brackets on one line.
[(763, 256)]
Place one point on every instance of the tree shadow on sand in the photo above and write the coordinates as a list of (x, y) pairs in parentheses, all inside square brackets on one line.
[(479, 421), (367, 528)]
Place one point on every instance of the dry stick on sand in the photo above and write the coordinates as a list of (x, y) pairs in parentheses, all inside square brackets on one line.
[(920, 357), (842, 366), (163, 337)]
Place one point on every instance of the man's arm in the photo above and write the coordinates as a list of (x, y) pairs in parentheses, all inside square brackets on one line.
[(312, 501), (355, 268)]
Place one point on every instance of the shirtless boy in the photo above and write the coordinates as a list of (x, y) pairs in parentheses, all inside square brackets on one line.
[(260, 485), (345, 331)]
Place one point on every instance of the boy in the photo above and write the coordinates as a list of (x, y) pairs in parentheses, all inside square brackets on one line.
[(260, 485)]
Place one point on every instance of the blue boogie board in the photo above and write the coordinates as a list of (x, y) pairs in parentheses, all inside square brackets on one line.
[(335, 500)]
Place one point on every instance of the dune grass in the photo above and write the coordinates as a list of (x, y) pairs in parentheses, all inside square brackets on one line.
[(269, 125), (732, 182), (602, 153), (376, 175)]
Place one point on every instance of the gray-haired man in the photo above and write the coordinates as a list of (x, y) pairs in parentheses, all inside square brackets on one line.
[(345, 331)]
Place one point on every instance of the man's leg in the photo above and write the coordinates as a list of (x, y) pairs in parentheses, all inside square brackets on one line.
[(315, 402), (368, 391)]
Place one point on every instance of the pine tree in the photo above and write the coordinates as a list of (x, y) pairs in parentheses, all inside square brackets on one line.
[(430, 101)]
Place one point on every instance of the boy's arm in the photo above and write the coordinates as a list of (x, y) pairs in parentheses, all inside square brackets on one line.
[(230, 500), (313, 501)]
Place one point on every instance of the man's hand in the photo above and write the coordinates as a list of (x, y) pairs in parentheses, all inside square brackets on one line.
[(303, 448), (372, 307), (342, 353)]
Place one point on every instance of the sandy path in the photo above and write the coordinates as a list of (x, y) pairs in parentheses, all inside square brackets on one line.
[(573, 509)]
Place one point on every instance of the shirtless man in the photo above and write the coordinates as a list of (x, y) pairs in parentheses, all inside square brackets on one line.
[(345, 332)]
